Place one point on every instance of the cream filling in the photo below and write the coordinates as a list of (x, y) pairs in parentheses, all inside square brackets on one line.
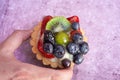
[(58, 28), (67, 55)]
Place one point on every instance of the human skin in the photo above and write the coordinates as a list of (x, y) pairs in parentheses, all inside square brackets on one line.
[(13, 69)]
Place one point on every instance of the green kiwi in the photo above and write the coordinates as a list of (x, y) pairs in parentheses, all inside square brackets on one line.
[(58, 24)]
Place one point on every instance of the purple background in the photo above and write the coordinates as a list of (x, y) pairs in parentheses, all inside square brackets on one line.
[(100, 19)]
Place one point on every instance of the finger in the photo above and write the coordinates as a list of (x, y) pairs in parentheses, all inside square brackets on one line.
[(15, 40), (69, 73)]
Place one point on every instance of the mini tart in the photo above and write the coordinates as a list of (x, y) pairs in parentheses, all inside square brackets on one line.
[(56, 63)]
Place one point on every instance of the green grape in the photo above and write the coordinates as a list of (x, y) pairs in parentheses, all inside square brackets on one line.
[(62, 38)]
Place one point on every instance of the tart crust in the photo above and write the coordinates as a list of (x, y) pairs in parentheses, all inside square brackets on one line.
[(34, 43)]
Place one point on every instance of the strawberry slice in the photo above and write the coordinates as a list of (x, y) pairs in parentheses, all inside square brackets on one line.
[(45, 54), (40, 42), (73, 19), (44, 22)]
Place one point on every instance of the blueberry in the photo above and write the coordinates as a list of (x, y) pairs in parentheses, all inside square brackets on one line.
[(77, 38), (48, 47), (59, 51), (83, 47), (49, 37), (73, 48), (78, 58), (66, 63), (75, 25)]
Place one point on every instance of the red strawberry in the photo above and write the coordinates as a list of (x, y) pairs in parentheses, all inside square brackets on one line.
[(73, 19), (44, 22), (40, 48), (40, 42)]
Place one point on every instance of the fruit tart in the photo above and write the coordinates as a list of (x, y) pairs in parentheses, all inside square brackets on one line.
[(59, 41)]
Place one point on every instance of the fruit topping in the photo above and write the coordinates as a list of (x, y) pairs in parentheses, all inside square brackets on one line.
[(78, 58), (58, 24), (73, 19), (44, 22), (59, 51), (84, 48), (66, 63), (77, 38), (75, 31), (49, 37), (75, 25), (62, 38), (45, 54), (48, 47), (73, 48)]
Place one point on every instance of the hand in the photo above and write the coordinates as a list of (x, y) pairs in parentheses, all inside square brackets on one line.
[(12, 69)]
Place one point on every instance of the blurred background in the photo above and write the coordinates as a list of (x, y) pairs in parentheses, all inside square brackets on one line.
[(100, 20)]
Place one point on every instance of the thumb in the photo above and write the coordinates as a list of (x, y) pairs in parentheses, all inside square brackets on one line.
[(14, 41)]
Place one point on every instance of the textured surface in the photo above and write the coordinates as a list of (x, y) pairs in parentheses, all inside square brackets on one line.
[(100, 20)]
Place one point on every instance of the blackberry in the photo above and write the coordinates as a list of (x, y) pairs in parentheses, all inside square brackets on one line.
[(49, 37)]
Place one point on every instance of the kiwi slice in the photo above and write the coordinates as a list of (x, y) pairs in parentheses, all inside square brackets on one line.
[(58, 24)]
